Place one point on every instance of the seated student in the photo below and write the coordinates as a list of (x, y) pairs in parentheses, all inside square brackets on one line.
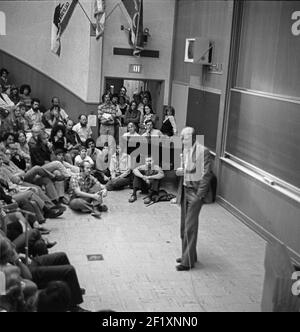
[(8, 138), (100, 159), (55, 114), (34, 116), (87, 193), (25, 91), (56, 297), (26, 203), (6, 122), (17, 157), (68, 169), (33, 138), (29, 196), (14, 94), (23, 147), (5, 101), (146, 178), (120, 170), (37, 175), (4, 77), (150, 132), (15, 232), (58, 138), (83, 156), (59, 141), (82, 128), (44, 269), (20, 122)]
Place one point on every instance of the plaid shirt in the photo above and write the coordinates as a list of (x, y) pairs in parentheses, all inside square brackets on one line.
[(83, 183)]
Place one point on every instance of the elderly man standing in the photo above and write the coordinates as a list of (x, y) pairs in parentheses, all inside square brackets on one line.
[(196, 172)]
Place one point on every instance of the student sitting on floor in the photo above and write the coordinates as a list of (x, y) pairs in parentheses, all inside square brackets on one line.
[(120, 170), (146, 178), (87, 193), (83, 156)]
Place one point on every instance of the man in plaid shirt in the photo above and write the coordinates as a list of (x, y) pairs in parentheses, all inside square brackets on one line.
[(87, 193)]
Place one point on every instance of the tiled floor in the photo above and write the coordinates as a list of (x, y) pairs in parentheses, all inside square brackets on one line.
[(140, 246)]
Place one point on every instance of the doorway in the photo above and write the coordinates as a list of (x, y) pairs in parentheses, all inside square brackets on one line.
[(156, 88)]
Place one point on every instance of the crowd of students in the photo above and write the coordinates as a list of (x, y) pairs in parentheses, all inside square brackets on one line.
[(47, 162)]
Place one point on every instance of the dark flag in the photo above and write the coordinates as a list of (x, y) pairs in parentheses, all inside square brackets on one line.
[(62, 14), (134, 14)]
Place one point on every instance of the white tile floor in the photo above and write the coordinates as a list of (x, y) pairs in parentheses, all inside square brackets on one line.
[(140, 246)]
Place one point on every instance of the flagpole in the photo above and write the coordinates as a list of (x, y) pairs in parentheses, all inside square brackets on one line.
[(85, 13), (114, 8)]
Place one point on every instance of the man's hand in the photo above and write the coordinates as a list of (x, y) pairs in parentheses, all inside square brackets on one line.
[(147, 179), (96, 197), (104, 192)]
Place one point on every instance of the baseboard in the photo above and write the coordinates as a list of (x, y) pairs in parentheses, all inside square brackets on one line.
[(262, 232)]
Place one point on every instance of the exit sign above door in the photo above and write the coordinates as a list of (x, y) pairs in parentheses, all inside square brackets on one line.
[(136, 69)]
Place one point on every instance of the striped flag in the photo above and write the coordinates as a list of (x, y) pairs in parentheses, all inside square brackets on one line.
[(62, 14), (134, 14), (99, 14)]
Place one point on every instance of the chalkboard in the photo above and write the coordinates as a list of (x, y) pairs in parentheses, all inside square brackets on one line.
[(203, 114), (265, 133)]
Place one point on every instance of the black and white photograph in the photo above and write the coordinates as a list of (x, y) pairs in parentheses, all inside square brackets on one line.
[(149, 159)]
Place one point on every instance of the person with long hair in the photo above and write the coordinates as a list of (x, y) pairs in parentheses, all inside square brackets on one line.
[(132, 114), (147, 115), (169, 127), (25, 91)]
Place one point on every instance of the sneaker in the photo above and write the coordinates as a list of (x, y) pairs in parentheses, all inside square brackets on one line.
[(132, 199), (96, 214)]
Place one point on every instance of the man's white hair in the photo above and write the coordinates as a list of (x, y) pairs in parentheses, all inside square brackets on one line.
[(187, 131)]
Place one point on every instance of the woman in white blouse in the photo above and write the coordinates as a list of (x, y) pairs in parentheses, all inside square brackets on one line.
[(5, 101)]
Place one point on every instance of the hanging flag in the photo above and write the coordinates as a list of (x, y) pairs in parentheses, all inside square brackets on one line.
[(62, 14), (134, 14), (99, 14)]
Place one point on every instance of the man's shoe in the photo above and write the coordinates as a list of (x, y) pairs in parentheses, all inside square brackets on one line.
[(132, 199), (43, 231), (96, 214), (102, 208), (179, 260), (64, 201), (60, 207), (53, 213), (182, 268), (147, 200), (79, 309), (50, 244)]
